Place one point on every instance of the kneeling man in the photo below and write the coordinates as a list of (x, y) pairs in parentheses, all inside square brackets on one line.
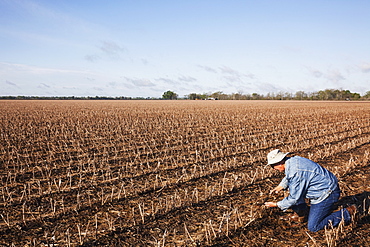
[(307, 179)]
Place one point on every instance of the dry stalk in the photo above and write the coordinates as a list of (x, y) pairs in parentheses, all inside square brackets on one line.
[(164, 237), (141, 210), (213, 230), (110, 222), (96, 226), (6, 220), (133, 216), (24, 213), (207, 233), (313, 240), (223, 183), (79, 234), (188, 234)]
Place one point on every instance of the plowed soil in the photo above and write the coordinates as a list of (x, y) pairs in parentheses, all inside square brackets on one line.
[(172, 173)]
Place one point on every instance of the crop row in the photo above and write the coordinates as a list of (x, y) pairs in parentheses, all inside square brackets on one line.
[(89, 170)]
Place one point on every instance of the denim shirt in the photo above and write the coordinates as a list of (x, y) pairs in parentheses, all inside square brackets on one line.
[(306, 179)]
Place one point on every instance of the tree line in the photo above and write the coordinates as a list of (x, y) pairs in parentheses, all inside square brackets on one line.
[(327, 94)]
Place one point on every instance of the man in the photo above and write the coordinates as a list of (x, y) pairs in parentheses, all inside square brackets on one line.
[(307, 179)]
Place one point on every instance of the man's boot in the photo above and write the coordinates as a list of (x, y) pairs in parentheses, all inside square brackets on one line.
[(353, 212)]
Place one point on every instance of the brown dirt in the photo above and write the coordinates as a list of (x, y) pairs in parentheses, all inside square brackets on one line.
[(172, 173)]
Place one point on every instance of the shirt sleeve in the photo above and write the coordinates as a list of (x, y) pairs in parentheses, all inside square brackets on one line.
[(297, 189), (284, 183)]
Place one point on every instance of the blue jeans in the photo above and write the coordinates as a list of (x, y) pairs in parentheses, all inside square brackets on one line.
[(321, 213)]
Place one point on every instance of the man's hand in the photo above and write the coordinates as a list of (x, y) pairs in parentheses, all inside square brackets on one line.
[(276, 190), (270, 204)]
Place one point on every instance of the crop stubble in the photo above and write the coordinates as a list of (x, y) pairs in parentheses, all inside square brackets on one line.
[(170, 173)]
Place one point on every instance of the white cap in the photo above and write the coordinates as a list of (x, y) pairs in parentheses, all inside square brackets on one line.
[(275, 156)]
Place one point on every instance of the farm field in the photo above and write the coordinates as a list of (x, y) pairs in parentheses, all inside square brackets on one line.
[(172, 173)]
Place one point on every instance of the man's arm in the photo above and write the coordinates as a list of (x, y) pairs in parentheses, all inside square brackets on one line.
[(297, 188), (276, 190), (284, 183), (271, 204)]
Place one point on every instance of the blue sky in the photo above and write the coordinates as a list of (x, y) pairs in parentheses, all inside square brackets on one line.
[(143, 48)]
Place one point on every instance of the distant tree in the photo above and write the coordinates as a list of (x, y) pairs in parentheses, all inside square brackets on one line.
[(279, 95), (300, 95), (237, 96), (256, 96), (367, 95), (194, 96), (220, 95), (356, 96), (169, 95), (203, 96), (288, 96)]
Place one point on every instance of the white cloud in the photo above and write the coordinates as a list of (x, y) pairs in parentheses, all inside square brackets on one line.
[(107, 49), (365, 67), (316, 73), (140, 82), (187, 78), (111, 48), (43, 85), (168, 81), (335, 76), (11, 83), (98, 89), (11, 67), (208, 69), (234, 75), (112, 84), (227, 70), (144, 61), (92, 58), (128, 85)]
